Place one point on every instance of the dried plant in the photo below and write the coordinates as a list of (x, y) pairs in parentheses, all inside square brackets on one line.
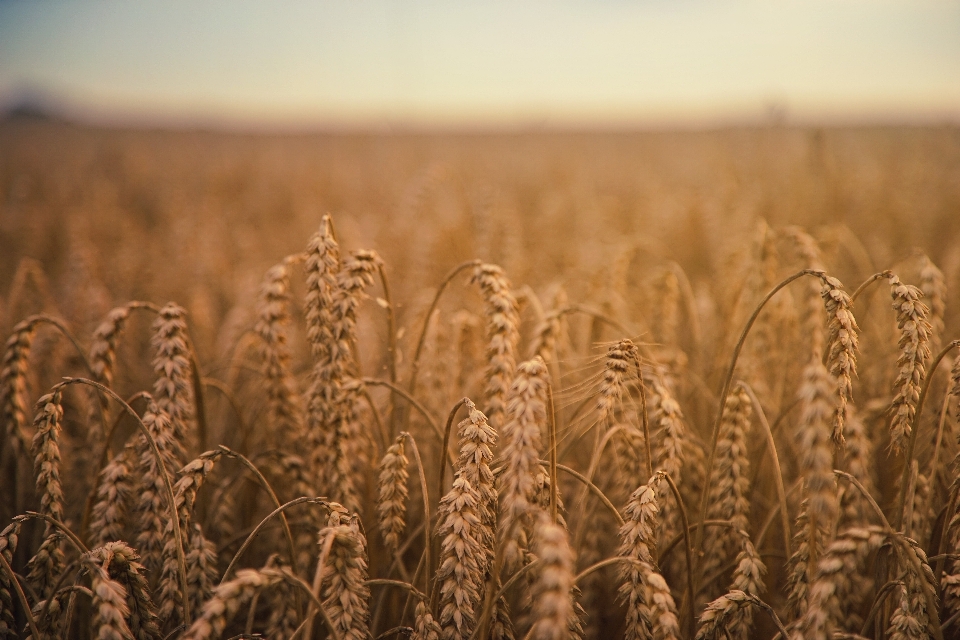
[(13, 384), (730, 483), (842, 345), (392, 489), (651, 611), (227, 599), (552, 595), (525, 421), (616, 410), (49, 560), (114, 497), (914, 354), (460, 574), (172, 390), (283, 400), (503, 324)]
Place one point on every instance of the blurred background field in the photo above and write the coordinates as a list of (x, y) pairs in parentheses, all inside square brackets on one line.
[(198, 216)]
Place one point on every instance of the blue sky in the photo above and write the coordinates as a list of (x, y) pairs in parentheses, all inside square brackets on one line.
[(453, 63)]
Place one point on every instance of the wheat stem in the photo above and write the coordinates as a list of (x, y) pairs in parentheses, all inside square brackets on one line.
[(415, 365), (778, 472), (27, 611), (724, 390)]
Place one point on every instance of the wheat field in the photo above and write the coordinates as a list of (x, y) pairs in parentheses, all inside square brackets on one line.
[(699, 385)]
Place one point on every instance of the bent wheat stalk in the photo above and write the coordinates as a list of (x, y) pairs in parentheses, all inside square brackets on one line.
[(165, 475)]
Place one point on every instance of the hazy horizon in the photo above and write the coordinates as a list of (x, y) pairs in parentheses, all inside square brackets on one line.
[(390, 64)]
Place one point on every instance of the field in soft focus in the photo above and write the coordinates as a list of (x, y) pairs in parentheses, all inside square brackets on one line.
[(198, 217)]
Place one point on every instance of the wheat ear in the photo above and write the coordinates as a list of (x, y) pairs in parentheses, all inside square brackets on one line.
[(460, 574), (49, 560), (201, 561), (842, 344), (503, 334), (9, 538), (425, 627), (123, 565), (113, 499), (526, 420), (172, 389), (13, 384), (552, 591), (730, 482), (651, 611), (273, 317), (346, 594), (934, 288), (914, 355), (392, 494), (227, 599), (153, 509)]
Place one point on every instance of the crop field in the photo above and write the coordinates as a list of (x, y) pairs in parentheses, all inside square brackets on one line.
[(667, 385)]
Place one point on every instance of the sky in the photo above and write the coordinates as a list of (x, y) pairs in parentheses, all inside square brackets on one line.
[(431, 63)]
